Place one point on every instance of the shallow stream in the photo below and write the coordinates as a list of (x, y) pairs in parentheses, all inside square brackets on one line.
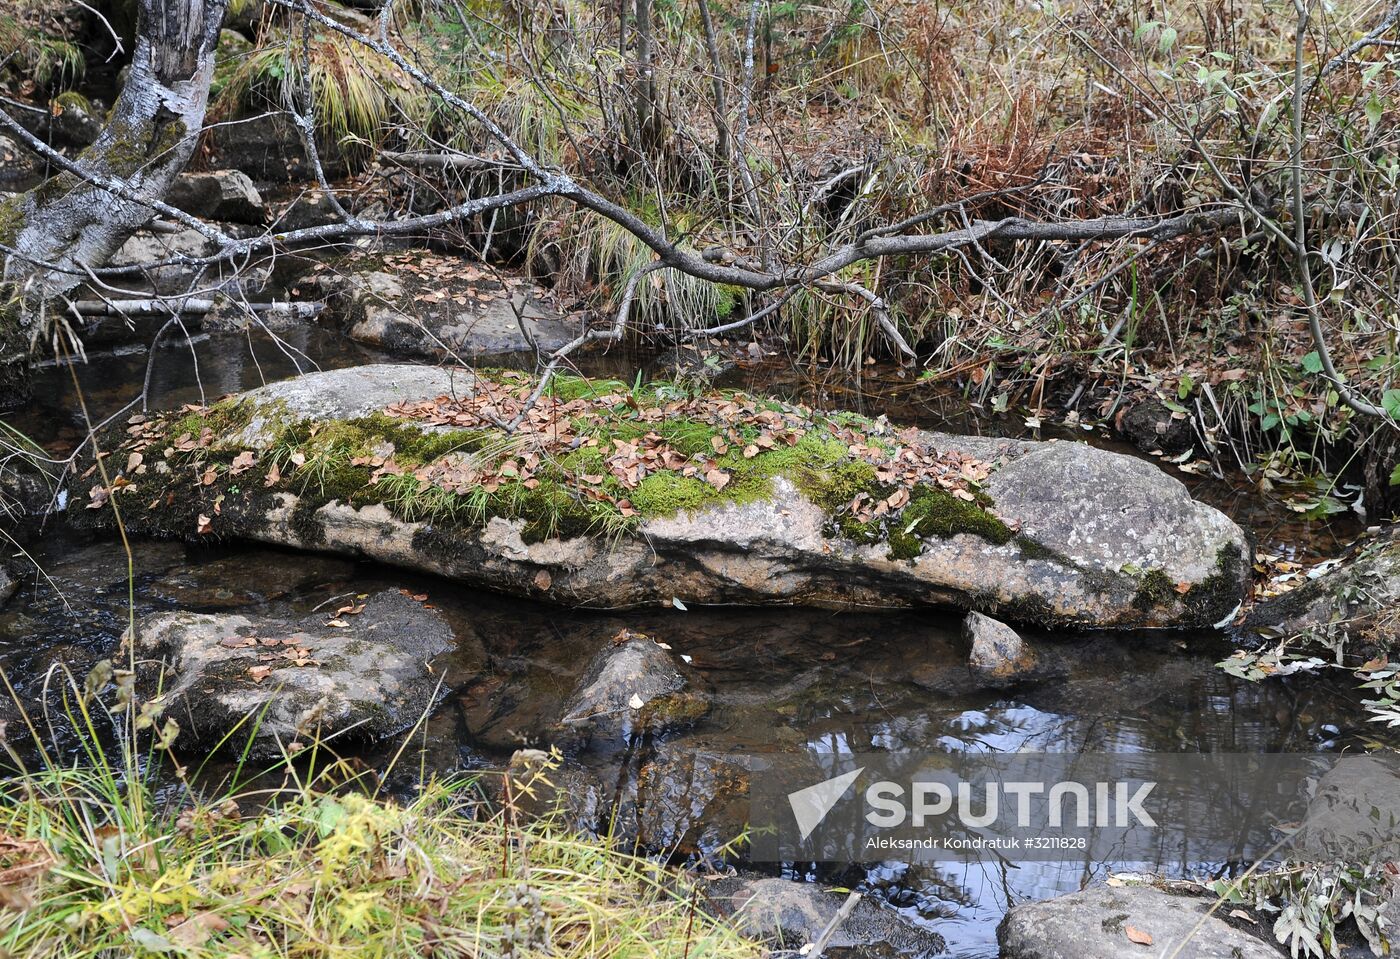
[(784, 679)]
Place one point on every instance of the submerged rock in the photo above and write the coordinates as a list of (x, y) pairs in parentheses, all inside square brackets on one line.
[(688, 799), (288, 681), (234, 581), (633, 686), (1094, 924), (19, 169), (1353, 605), (26, 499), (219, 195), (999, 655), (793, 914), (617, 514), (1353, 811), (462, 314), (1152, 427)]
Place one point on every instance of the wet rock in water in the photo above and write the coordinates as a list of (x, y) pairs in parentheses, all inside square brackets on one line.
[(1356, 603), (9, 584), (19, 169), (541, 788), (1152, 427), (1056, 533), (793, 914), (462, 312), (219, 195), (1094, 924), (244, 580), (630, 687), (310, 209), (1380, 460), (999, 655), (367, 680), (688, 799), (26, 498)]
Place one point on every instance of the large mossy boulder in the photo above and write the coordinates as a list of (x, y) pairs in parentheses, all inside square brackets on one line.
[(613, 496)]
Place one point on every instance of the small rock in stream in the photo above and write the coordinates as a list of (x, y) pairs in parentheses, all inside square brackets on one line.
[(632, 686), (999, 655), (9, 585), (793, 914), (464, 313), (365, 674), (1152, 427), (1351, 606)]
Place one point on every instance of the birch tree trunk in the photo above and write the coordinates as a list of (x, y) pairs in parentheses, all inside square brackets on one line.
[(68, 221)]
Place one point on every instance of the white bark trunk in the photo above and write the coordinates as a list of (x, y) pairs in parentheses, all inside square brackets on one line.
[(69, 222)]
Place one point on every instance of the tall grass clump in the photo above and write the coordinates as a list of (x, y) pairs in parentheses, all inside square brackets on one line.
[(120, 852)]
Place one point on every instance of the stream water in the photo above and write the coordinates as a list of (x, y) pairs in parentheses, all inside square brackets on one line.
[(784, 679)]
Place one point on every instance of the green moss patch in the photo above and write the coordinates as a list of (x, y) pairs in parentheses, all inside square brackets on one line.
[(592, 458)]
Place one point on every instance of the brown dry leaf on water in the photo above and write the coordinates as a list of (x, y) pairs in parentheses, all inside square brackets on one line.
[(1374, 665), (1136, 935)]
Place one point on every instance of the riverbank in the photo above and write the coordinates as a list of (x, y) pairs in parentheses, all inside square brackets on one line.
[(121, 856)]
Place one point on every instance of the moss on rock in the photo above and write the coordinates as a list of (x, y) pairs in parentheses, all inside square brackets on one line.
[(422, 474)]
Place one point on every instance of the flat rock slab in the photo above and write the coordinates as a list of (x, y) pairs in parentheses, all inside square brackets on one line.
[(1065, 533), (286, 681), (1094, 924), (443, 307)]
